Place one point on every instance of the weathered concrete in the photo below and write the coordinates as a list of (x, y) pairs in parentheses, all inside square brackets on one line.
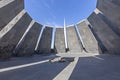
[(117, 2), (110, 10), (102, 67), (110, 40), (27, 46), (8, 10), (112, 25), (73, 41), (11, 24), (5, 2), (10, 40), (90, 43), (45, 42), (99, 67), (36, 71), (101, 47), (15, 22), (60, 40)]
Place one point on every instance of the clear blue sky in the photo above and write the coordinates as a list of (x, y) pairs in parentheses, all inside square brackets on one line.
[(53, 12)]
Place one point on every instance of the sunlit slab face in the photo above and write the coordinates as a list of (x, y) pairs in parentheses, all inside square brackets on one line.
[(53, 12)]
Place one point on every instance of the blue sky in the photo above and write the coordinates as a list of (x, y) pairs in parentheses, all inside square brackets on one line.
[(53, 12)]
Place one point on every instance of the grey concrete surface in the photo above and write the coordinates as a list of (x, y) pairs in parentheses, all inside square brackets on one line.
[(94, 67), (117, 2), (102, 49), (45, 42), (10, 40), (90, 42), (27, 46), (43, 71), (11, 24), (9, 11), (105, 33), (5, 2), (101, 67), (74, 43), (110, 10), (104, 24), (112, 25), (60, 40)]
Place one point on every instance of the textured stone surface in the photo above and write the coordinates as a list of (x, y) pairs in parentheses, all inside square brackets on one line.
[(11, 39), (117, 2), (110, 10), (110, 40), (112, 25), (90, 43), (9, 11), (5, 2), (45, 42), (74, 43), (60, 40), (100, 67), (27, 46), (11, 24), (104, 25)]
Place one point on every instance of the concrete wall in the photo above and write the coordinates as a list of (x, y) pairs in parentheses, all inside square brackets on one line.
[(110, 39), (90, 43), (45, 42), (111, 11), (27, 46), (60, 40), (14, 22), (117, 2), (74, 43), (10, 40), (112, 25), (8, 10)]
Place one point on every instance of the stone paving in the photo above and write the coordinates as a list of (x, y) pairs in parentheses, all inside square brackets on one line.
[(91, 67)]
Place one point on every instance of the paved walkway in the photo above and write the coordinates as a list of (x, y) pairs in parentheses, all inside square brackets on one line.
[(85, 67)]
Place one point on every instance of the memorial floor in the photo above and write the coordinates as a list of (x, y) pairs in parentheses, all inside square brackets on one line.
[(85, 67)]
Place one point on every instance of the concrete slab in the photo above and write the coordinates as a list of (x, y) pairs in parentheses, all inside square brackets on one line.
[(97, 67), (37, 70), (60, 40), (110, 10), (45, 42), (109, 39), (10, 40), (8, 10), (101, 67), (90, 42), (112, 25), (73, 40), (26, 47)]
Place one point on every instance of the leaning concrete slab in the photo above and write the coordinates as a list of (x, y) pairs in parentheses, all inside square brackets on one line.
[(112, 25), (110, 40), (45, 42), (73, 41), (10, 40), (90, 43), (8, 10), (60, 40), (110, 10), (27, 46), (117, 2), (5, 2), (11, 24)]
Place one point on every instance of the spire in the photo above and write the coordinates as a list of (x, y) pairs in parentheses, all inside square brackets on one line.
[(65, 35), (64, 23)]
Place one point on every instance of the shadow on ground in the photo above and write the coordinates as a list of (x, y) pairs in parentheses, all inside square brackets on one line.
[(102, 67)]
